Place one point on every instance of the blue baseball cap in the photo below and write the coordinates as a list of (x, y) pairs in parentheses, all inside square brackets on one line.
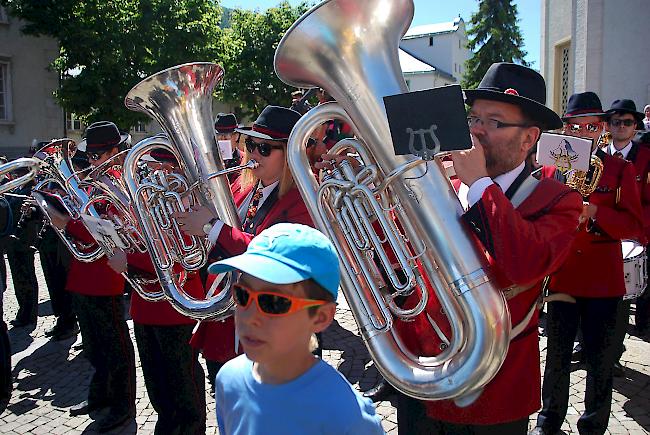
[(286, 254)]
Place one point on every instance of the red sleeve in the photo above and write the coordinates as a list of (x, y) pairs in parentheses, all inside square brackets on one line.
[(525, 248), (624, 220)]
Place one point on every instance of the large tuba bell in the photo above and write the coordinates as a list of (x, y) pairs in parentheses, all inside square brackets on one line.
[(180, 99), (350, 48)]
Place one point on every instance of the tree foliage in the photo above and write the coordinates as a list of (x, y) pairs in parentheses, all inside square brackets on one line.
[(248, 48), (107, 46), (495, 37)]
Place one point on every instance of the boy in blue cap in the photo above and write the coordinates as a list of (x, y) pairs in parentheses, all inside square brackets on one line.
[(286, 292)]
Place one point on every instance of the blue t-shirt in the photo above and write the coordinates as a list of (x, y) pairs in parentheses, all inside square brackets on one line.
[(321, 401)]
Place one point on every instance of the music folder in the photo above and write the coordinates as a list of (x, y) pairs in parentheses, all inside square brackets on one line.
[(425, 123), (566, 153)]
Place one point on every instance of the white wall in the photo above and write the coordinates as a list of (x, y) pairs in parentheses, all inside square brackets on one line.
[(422, 81), (556, 27), (35, 112)]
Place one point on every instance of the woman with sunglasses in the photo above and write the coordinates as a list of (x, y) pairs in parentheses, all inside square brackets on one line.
[(264, 196)]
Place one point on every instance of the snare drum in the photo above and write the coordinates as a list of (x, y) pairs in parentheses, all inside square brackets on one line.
[(634, 268)]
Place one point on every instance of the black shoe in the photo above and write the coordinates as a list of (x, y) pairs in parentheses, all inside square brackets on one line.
[(65, 333), (113, 420), (19, 323), (618, 370), (578, 354), (380, 392), (86, 407)]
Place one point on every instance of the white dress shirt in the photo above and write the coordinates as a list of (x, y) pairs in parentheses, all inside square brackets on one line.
[(471, 195), (625, 151)]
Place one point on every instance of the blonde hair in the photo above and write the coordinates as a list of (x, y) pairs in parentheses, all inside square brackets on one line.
[(248, 180)]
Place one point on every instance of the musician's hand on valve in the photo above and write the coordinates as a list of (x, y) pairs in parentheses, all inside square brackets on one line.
[(328, 161), (192, 221), (57, 219), (117, 261), (470, 165), (588, 212)]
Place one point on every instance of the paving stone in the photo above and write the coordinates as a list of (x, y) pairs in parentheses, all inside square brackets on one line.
[(50, 377)]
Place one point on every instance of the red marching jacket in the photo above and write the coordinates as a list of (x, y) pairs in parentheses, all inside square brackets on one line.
[(595, 266), (161, 312), (639, 155), (216, 339), (522, 245), (95, 278)]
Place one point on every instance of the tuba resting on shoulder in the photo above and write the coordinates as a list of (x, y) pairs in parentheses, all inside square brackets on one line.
[(393, 203)]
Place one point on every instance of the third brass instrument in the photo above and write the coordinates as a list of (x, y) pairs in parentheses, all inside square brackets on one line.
[(180, 99), (350, 49), (585, 182)]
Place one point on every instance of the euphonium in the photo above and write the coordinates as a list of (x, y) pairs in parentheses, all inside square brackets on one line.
[(180, 99), (32, 165), (350, 48)]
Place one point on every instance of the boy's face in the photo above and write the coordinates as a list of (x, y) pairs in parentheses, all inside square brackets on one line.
[(278, 339)]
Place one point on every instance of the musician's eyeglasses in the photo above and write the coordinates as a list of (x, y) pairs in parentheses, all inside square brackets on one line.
[(270, 303), (264, 148), (619, 122), (96, 156), (591, 127), (491, 124)]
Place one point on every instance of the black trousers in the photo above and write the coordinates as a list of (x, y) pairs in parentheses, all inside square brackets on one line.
[(108, 347), (413, 420), (597, 319), (23, 275), (622, 320), (55, 259), (173, 376)]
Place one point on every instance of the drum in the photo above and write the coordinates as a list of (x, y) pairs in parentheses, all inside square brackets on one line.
[(634, 268)]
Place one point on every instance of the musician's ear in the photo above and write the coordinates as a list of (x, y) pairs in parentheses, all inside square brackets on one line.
[(531, 137)]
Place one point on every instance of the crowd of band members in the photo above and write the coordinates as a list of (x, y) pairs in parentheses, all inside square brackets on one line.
[(556, 233)]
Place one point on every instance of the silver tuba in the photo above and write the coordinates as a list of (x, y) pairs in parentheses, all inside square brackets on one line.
[(180, 99), (350, 49)]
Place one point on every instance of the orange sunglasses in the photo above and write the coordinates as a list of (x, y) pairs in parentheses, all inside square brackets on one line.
[(270, 303)]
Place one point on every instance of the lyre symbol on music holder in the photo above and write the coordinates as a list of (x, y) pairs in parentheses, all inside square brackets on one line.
[(423, 151)]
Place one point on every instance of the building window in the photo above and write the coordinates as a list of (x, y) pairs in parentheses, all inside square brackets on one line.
[(4, 18), (140, 127), (5, 91), (73, 123), (430, 41), (562, 76)]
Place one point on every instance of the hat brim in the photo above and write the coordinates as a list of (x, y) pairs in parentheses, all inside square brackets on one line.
[(259, 135), (123, 138), (637, 115), (260, 266), (547, 119), (584, 115)]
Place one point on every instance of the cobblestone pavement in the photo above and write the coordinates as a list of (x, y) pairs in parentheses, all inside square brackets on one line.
[(49, 377)]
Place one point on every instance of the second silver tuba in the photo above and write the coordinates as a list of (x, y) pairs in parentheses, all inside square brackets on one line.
[(180, 99), (350, 49)]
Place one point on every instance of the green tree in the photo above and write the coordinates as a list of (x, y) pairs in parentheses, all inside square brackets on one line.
[(495, 37), (248, 47), (107, 46)]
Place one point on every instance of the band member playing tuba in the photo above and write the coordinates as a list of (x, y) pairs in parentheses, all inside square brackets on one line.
[(583, 292), (172, 374), (97, 300), (525, 227), (264, 196)]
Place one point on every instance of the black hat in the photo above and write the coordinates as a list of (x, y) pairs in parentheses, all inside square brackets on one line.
[(274, 123), (626, 106), (225, 123), (102, 136), (518, 85), (160, 155), (583, 104)]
